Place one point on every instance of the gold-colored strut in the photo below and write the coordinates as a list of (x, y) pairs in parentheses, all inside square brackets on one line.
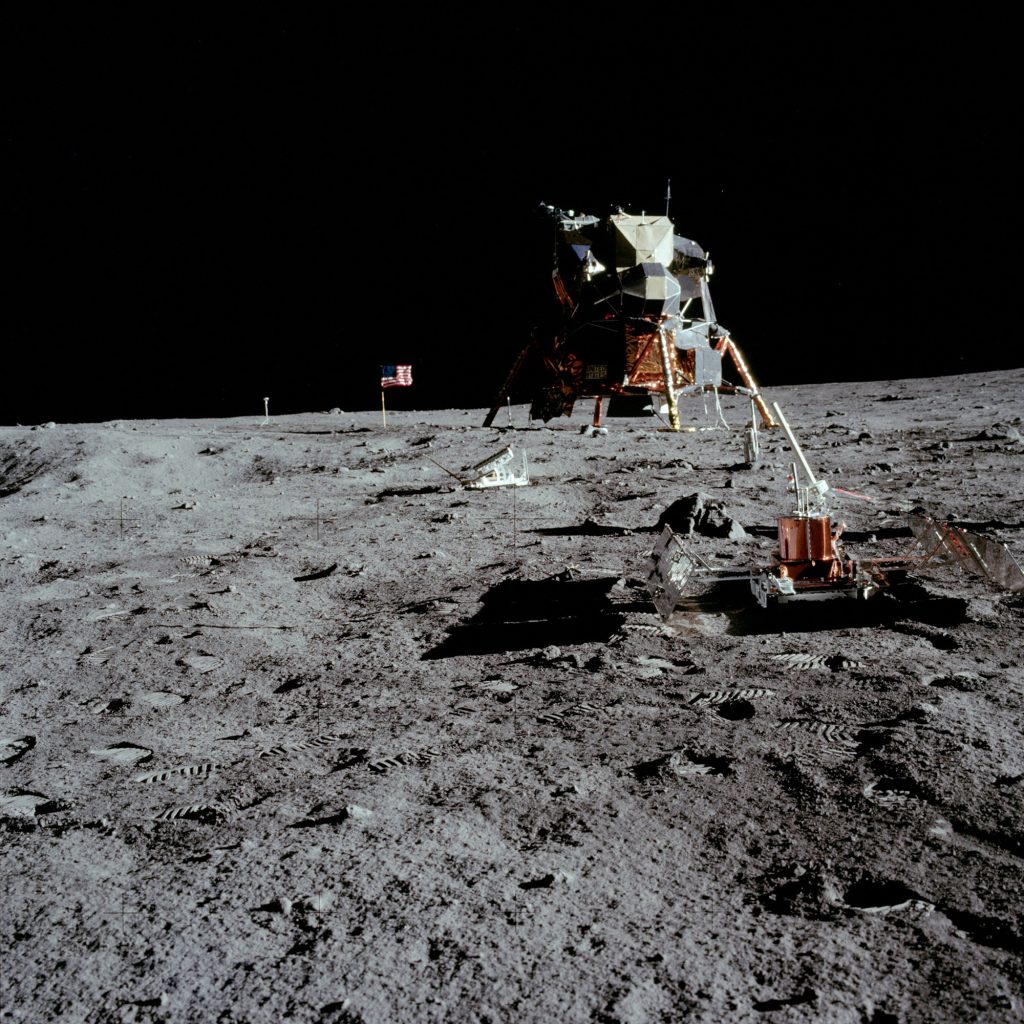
[(670, 390), (730, 346)]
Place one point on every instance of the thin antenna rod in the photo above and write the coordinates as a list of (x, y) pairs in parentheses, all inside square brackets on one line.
[(668, 195), (514, 538), (795, 445), (445, 468)]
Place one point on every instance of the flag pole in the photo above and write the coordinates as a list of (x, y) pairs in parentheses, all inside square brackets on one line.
[(383, 411)]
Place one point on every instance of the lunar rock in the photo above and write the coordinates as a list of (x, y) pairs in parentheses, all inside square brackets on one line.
[(699, 513)]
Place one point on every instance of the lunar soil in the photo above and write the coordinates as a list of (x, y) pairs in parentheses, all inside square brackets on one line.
[(294, 727)]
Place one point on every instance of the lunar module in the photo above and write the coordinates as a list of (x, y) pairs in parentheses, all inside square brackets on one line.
[(629, 313)]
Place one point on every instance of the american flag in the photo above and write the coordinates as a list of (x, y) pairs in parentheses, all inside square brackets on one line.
[(395, 376)]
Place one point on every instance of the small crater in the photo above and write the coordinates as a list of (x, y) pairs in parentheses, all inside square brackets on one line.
[(317, 819), (103, 706), (681, 763), (544, 882), (736, 710), (965, 682), (880, 897)]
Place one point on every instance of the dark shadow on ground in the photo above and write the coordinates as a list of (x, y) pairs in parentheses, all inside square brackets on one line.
[(520, 614), (851, 536), (408, 492), (906, 601), (588, 528)]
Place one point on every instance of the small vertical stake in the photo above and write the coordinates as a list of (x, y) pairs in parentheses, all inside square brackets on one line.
[(121, 519), (122, 911), (515, 734), (266, 412), (514, 538), (510, 410)]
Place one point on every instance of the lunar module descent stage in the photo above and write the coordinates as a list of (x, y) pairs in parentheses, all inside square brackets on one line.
[(623, 320)]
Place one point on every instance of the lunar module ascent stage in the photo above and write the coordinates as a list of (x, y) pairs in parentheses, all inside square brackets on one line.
[(629, 313)]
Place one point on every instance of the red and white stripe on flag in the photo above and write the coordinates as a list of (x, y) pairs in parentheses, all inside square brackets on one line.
[(395, 376)]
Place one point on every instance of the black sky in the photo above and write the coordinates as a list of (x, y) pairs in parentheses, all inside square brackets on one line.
[(203, 212)]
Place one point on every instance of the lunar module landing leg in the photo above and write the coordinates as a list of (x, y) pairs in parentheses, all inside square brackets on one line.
[(506, 388), (727, 346), (595, 427)]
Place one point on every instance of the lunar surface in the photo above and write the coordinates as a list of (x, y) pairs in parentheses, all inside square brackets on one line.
[(295, 727)]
